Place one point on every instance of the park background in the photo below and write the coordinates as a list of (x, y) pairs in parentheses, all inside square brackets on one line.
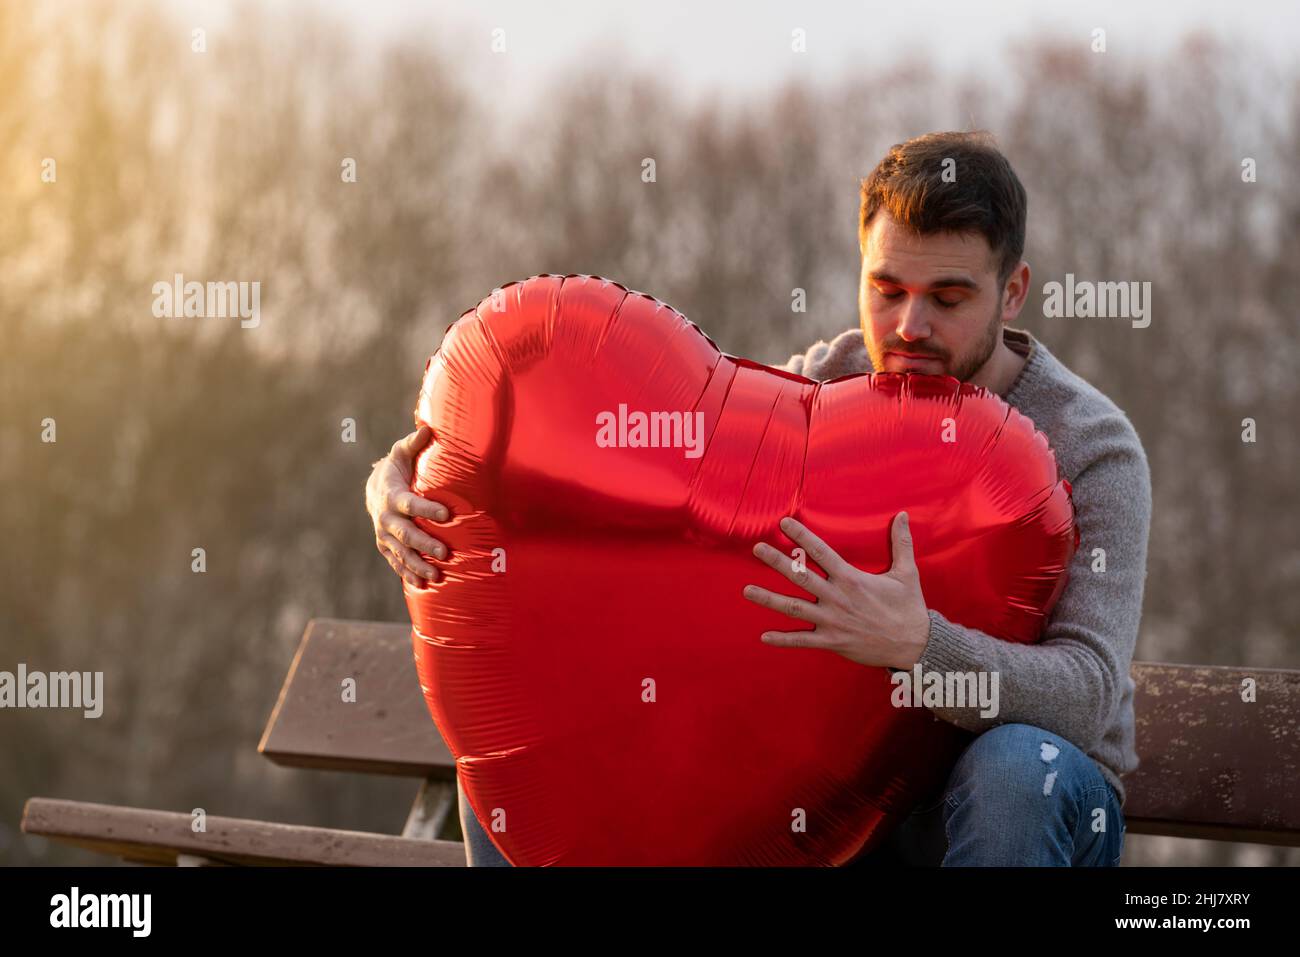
[(475, 168)]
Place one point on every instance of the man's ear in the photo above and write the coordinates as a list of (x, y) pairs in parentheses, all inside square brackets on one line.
[(1015, 292)]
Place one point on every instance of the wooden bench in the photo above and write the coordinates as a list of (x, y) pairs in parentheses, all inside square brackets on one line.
[(387, 730), (1211, 765)]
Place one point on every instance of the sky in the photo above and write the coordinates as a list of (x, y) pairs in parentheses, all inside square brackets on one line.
[(733, 48)]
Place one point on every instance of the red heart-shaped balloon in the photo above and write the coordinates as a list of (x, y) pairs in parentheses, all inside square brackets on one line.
[(588, 655)]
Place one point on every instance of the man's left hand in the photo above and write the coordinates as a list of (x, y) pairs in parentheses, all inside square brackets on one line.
[(875, 620)]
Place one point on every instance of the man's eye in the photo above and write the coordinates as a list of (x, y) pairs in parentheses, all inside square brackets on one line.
[(947, 303), (889, 295)]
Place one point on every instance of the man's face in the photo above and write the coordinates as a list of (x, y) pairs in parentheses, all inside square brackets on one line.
[(929, 303)]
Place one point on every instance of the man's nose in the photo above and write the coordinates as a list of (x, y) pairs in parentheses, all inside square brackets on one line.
[(912, 324)]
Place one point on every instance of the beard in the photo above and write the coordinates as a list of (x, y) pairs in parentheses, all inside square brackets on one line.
[(961, 368), (980, 352)]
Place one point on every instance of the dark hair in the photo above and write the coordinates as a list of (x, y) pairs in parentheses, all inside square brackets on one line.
[(985, 197)]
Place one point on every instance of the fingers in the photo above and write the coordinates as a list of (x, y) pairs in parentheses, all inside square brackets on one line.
[(409, 446), (797, 572), (405, 561), (900, 534), (409, 577), (397, 482), (408, 503), (797, 639), (399, 539), (826, 558), (786, 605), (409, 534)]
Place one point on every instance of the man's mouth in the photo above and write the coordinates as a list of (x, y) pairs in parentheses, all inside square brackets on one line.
[(912, 362)]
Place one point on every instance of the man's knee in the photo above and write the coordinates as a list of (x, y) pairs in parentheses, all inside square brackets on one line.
[(1015, 759), (1019, 795)]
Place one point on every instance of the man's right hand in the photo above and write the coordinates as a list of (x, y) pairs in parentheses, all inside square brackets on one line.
[(392, 504)]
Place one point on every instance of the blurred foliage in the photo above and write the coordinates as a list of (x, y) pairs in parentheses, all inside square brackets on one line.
[(183, 433)]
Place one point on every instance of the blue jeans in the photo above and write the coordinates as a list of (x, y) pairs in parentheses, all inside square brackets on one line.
[(1018, 796), (479, 849)]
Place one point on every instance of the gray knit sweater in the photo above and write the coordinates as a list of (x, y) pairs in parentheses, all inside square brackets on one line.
[(1075, 682)]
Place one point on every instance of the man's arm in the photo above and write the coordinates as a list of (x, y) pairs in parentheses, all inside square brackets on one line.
[(844, 354), (798, 362), (1073, 680)]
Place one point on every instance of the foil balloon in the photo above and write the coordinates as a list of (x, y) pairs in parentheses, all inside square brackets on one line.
[(589, 657)]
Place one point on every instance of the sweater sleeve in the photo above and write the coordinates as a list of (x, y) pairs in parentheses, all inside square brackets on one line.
[(844, 354), (802, 362), (1074, 679)]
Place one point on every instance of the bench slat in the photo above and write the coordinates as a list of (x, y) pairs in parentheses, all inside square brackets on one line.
[(1210, 764), (387, 730), (161, 837)]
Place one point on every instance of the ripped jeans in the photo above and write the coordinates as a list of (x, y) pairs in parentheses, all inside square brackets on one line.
[(1018, 796)]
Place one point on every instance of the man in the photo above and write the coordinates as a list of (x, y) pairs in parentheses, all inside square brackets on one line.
[(941, 232)]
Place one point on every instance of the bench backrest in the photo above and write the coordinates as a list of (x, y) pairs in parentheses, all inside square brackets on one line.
[(386, 730), (1211, 764)]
